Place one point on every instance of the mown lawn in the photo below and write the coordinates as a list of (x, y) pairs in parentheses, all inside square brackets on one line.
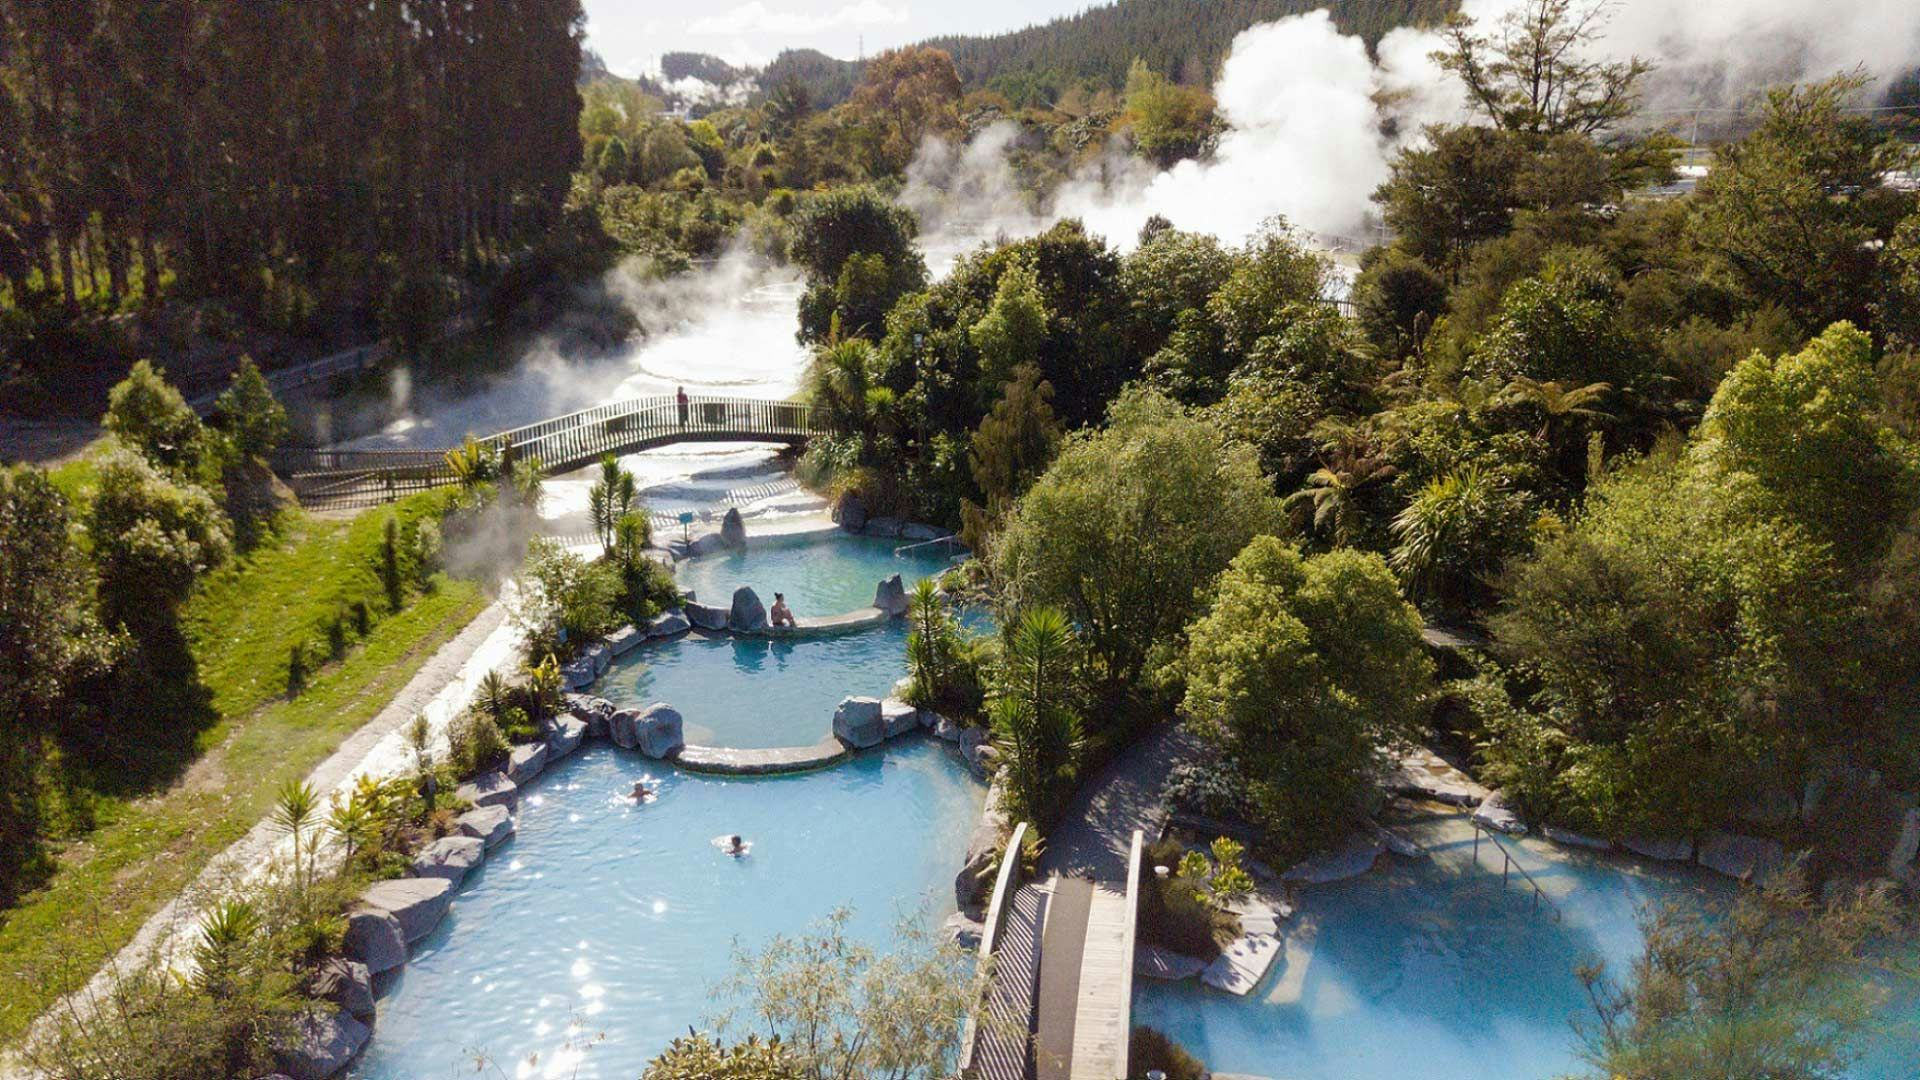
[(241, 626)]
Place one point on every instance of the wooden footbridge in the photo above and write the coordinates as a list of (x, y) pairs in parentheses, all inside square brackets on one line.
[(337, 479)]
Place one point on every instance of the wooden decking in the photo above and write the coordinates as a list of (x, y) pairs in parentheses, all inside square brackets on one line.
[(1103, 1017)]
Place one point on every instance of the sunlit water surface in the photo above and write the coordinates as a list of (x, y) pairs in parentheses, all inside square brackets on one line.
[(594, 937)]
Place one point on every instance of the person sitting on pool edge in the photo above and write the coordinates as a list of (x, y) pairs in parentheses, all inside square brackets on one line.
[(781, 615)]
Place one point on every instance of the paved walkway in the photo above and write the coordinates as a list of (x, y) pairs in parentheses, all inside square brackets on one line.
[(1095, 835), (440, 690)]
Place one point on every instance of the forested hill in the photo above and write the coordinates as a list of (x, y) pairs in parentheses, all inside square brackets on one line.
[(1181, 38)]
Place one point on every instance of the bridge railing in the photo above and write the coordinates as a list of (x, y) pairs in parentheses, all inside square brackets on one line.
[(999, 906), (369, 477)]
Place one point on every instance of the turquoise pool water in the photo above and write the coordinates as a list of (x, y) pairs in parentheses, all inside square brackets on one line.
[(820, 579), (593, 938), (1435, 969), (751, 693)]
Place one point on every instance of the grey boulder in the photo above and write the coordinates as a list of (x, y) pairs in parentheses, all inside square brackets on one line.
[(975, 879), (1351, 859), (850, 512), (564, 737), (450, 858), (374, 938), (346, 983), (668, 625), (1745, 857), (592, 711), (417, 903), (733, 531), (600, 655), (884, 526), (489, 789), (491, 825), (623, 728), (1494, 813), (526, 761), (660, 730), (898, 717), (707, 618), (915, 531), (1570, 838), (578, 674), (858, 722), (891, 596), (322, 1046), (749, 615), (625, 640)]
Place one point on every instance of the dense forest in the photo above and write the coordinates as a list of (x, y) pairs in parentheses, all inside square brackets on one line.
[(322, 169), (1095, 49)]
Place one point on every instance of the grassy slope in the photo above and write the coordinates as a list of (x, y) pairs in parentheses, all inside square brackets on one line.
[(242, 625)]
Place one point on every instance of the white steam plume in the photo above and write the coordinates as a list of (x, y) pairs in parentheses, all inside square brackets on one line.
[(1314, 121)]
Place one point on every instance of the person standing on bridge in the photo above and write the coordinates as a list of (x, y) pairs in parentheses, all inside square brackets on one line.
[(680, 398)]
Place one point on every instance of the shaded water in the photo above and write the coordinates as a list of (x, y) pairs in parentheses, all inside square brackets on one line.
[(1437, 969)]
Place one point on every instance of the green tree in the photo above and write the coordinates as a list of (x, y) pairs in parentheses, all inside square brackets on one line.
[(1128, 524), (1036, 728), (1301, 670), (150, 416), (1537, 75), (1805, 435), (1013, 446), (1789, 214), (841, 1008), (1769, 984), (152, 538), (1562, 325), (1008, 336), (831, 228), (1169, 122), (254, 422), (1275, 271), (50, 642)]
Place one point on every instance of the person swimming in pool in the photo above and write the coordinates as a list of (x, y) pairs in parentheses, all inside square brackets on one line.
[(734, 845), (641, 792), (781, 615)]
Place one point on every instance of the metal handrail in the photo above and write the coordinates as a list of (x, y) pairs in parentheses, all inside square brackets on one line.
[(947, 539), (999, 905), (1509, 864), (561, 443)]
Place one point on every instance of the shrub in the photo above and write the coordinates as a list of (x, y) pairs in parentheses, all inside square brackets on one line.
[(475, 744), (1149, 1049), (1177, 913)]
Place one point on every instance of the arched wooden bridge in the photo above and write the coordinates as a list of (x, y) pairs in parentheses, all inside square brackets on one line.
[(337, 479)]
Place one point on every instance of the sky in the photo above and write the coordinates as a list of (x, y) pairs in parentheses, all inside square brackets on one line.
[(632, 34)]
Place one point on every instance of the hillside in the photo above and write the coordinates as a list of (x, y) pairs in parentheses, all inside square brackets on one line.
[(1095, 47)]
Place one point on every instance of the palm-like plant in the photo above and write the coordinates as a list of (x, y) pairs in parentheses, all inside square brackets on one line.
[(351, 823), (611, 499), (1558, 405), (1035, 726), (295, 813), (219, 955), (1332, 494), (837, 381), (493, 695), (473, 464), (930, 644)]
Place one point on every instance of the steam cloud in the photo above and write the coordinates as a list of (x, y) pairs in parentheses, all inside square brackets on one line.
[(1315, 121)]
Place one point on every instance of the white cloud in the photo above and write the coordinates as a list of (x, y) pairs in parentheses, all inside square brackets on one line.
[(755, 17)]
